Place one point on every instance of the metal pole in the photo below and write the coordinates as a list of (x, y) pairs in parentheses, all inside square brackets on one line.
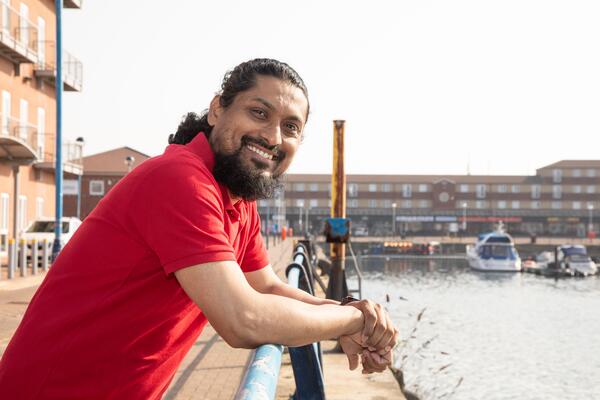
[(337, 287), (464, 224), (23, 257), (393, 219), (34, 257), (16, 202), (306, 224), (79, 197), (56, 246), (12, 258), (591, 222)]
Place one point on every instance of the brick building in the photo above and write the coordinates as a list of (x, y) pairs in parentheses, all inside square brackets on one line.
[(100, 173), (28, 112), (561, 199)]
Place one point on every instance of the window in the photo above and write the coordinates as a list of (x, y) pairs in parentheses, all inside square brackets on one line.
[(502, 189), (423, 204), (22, 214), (39, 207), (386, 187), (372, 203), (556, 192), (515, 189), (299, 187), (406, 190), (96, 188), (576, 173), (24, 24), (536, 191), (535, 205), (556, 175), (4, 213), (353, 203), (263, 203), (556, 205), (406, 203), (464, 188), (502, 204), (576, 205), (314, 203), (300, 203), (41, 132), (423, 188), (41, 44), (6, 102), (387, 203), (352, 190), (480, 189), (591, 173), (480, 204), (313, 187), (372, 187), (515, 204), (23, 119), (577, 189), (591, 189)]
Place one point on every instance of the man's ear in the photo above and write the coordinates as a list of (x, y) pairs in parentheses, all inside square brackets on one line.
[(214, 111)]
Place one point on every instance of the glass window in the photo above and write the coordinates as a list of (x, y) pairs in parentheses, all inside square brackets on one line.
[(263, 203), (464, 188), (516, 204), (502, 204), (4, 213), (480, 204), (300, 203), (406, 203), (39, 207), (556, 192), (299, 187), (502, 189), (536, 191), (591, 173), (314, 187), (352, 190), (480, 191), (387, 203), (372, 203), (556, 175), (96, 188), (576, 173), (591, 189), (314, 202), (576, 205), (386, 187), (556, 205), (353, 203), (535, 205), (577, 189), (372, 187), (22, 215), (423, 188), (406, 190), (515, 188), (423, 203)]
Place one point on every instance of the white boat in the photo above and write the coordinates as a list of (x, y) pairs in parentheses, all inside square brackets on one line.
[(575, 260), (494, 252)]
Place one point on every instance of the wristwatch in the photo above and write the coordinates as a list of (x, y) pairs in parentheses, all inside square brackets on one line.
[(348, 299)]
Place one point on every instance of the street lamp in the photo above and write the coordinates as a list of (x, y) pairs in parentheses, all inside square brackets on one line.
[(80, 142), (590, 208), (464, 222), (129, 160), (394, 219)]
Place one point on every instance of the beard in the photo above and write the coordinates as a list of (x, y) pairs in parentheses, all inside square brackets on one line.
[(249, 183)]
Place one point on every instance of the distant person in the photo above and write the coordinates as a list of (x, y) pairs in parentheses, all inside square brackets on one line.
[(176, 244)]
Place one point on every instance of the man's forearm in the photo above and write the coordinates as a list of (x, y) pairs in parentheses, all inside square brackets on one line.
[(285, 290)]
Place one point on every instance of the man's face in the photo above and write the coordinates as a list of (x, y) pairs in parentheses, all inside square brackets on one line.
[(257, 136)]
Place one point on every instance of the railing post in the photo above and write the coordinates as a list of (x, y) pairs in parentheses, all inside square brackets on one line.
[(12, 258), (34, 257), (45, 255), (23, 257)]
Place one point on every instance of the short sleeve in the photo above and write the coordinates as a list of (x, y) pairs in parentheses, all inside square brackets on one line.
[(184, 223), (255, 256)]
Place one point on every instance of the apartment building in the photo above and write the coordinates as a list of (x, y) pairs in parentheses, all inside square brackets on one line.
[(101, 172), (28, 112), (561, 199)]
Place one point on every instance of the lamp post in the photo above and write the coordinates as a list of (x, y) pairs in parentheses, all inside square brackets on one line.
[(394, 219), (590, 208), (80, 141), (464, 222), (129, 160)]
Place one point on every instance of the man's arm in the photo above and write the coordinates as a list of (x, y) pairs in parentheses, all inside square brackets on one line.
[(266, 281), (247, 318)]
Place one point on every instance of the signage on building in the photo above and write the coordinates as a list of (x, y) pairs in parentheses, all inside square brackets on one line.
[(70, 186), (415, 218), (443, 218)]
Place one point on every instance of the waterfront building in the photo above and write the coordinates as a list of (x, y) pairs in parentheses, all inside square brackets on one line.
[(28, 113), (101, 172), (561, 199)]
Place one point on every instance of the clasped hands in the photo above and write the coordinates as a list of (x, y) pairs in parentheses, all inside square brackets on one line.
[(374, 343)]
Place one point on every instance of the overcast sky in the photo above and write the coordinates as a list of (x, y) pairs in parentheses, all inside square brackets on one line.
[(426, 86)]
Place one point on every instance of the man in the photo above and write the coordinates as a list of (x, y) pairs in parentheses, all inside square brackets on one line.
[(176, 243)]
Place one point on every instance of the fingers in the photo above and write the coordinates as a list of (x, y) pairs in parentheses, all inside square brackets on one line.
[(367, 307), (387, 341), (372, 362), (352, 350), (352, 361), (380, 329)]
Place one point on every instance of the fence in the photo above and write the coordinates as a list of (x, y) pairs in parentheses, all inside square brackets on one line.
[(28, 257)]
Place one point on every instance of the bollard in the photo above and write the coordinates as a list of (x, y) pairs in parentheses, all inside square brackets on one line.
[(23, 257), (45, 255), (12, 258), (34, 257)]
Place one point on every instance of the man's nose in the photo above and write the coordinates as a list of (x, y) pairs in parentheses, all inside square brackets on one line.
[(272, 135)]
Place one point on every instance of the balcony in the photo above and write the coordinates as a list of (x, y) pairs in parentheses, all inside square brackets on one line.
[(18, 141), (45, 67), (72, 156), (18, 36)]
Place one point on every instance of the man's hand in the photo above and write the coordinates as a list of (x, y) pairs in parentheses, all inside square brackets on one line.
[(371, 361), (351, 345), (378, 334)]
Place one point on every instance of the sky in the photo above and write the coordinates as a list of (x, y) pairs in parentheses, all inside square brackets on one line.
[(425, 86)]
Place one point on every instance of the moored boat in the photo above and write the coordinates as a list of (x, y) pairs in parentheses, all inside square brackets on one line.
[(494, 252)]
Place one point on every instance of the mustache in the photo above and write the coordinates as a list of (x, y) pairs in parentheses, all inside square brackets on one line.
[(279, 155)]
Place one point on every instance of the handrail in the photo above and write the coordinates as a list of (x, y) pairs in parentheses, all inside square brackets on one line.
[(260, 380)]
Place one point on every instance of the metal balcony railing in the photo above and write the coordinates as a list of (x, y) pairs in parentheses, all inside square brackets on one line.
[(45, 67), (22, 132), (72, 156), (18, 36), (261, 377)]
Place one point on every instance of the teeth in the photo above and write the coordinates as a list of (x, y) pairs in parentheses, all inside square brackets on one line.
[(260, 152)]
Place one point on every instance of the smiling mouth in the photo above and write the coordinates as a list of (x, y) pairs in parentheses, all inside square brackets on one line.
[(261, 153)]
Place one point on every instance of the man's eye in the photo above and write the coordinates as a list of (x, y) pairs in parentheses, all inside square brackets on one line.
[(259, 113), (293, 128)]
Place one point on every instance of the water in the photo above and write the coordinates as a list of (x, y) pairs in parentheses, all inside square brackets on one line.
[(496, 336)]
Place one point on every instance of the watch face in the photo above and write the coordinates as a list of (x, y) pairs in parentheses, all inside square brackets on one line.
[(444, 197)]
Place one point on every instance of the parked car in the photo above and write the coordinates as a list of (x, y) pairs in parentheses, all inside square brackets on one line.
[(43, 228)]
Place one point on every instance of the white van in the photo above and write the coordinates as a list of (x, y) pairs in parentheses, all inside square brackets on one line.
[(43, 228)]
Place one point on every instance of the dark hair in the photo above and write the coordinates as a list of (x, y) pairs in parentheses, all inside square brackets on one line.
[(240, 79)]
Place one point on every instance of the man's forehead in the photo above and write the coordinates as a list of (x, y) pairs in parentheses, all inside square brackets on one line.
[(274, 92)]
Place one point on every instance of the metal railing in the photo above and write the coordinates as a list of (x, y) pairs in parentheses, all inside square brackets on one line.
[(72, 66), (18, 32), (261, 377), (22, 131), (27, 256)]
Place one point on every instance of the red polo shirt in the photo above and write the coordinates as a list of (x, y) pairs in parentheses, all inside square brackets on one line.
[(110, 320)]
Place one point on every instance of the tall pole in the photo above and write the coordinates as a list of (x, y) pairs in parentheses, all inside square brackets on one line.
[(590, 222), (16, 201), (337, 287), (306, 224), (394, 219), (464, 224), (58, 168)]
